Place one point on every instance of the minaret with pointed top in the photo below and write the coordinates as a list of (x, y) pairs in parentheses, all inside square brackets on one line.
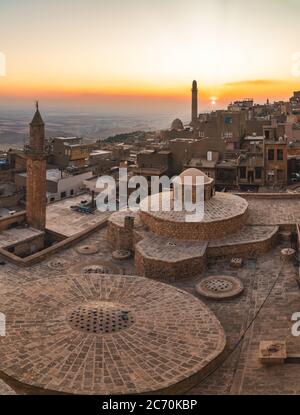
[(194, 103), (36, 173)]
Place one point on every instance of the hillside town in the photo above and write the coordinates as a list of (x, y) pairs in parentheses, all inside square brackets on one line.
[(144, 301), (247, 147)]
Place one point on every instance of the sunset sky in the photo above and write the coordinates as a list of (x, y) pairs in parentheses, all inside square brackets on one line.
[(145, 53)]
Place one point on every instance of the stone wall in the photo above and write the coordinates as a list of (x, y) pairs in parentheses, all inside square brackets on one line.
[(10, 201), (6, 176), (120, 236), (166, 270), (281, 196), (298, 233), (48, 252), (28, 247), (247, 249), (12, 220), (204, 231)]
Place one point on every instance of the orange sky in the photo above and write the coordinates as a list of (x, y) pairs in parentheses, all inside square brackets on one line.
[(94, 50)]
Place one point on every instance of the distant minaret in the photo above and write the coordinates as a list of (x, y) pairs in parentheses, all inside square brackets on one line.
[(194, 103), (36, 174)]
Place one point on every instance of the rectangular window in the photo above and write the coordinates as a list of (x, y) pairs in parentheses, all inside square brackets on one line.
[(258, 173), (242, 172), (228, 120), (270, 154), (227, 134), (279, 154)]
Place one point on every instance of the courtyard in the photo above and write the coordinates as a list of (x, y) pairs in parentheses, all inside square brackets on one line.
[(238, 372)]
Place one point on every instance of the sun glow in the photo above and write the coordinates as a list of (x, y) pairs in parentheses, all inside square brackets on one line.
[(97, 49)]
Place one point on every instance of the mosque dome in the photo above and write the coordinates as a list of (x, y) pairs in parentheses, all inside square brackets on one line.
[(177, 124), (194, 173)]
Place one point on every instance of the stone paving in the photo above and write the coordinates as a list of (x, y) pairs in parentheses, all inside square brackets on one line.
[(273, 211), (241, 372), (245, 235), (163, 248), (68, 260), (15, 235), (172, 336), (61, 219), (170, 250)]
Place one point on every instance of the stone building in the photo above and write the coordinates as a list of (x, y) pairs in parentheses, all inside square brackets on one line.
[(59, 184), (121, 152), (275, 160), (70, 152), (153, 163), (168, 244)]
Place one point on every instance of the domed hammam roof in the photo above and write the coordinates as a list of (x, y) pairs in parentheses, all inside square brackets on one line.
[(177, 124), (194, 173)]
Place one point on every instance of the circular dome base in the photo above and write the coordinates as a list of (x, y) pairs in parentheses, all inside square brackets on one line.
[(87, 250), (224, 214), (59, 264), (121, 254), (219, 287), (167, 341)]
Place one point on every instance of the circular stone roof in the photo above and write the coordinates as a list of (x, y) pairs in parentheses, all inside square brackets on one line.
[(177, 124), (168, 335), (220, 207)]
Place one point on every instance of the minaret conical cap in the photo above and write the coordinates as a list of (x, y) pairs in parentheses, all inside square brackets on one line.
[(37, 118)]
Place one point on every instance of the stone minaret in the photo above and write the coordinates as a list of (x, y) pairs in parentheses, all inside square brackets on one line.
[(194, 103), (36, 174)]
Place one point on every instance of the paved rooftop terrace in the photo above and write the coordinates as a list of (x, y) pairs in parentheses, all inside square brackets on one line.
[(60, 218)]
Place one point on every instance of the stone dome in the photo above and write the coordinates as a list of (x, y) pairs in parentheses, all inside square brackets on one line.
[(177, 124), (194, 173)]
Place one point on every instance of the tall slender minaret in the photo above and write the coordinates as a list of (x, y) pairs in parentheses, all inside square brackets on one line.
[(194, 103), (36, 174)]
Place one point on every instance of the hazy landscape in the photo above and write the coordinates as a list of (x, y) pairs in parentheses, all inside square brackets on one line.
[(14, 126)]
